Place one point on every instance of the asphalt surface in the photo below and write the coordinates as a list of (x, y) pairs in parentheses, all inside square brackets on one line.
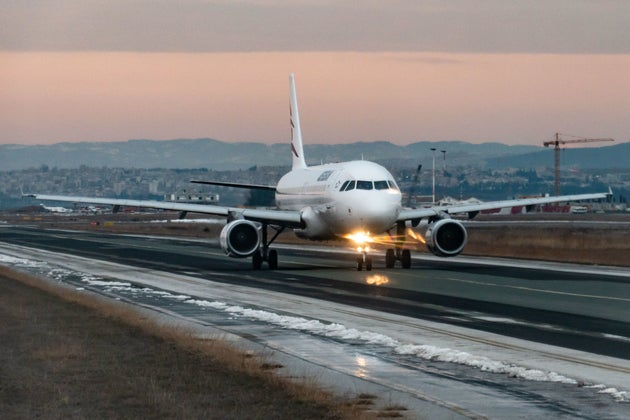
[(581, 308)]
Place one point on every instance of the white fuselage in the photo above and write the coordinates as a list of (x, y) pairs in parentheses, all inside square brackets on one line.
[(341, 198)]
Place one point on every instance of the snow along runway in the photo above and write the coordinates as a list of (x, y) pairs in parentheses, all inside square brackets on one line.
[(430, 368)]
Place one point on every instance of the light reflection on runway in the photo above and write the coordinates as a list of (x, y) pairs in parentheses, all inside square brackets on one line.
[(377, 279)]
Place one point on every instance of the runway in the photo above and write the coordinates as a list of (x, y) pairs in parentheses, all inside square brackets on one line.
[(579, 309)]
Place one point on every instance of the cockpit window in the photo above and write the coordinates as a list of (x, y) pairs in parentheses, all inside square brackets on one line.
[(369, 185)]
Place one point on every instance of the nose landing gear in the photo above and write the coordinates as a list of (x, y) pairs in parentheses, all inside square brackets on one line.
[(364, 260)]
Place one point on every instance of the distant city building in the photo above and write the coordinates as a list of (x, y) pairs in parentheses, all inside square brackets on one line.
[(119, 187), (154, 187)]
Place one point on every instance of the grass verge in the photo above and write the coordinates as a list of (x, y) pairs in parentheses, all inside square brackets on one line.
[(70, 354)]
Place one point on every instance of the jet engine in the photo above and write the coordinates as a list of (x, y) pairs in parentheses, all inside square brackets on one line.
[(240, 238), (446, 237), (315, 227)]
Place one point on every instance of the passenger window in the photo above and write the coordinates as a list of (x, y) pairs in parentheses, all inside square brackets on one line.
[(381, 185), (343, 187), (364, 185)]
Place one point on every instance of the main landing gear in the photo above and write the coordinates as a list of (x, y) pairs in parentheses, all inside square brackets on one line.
[(398, 253), (263, 253)]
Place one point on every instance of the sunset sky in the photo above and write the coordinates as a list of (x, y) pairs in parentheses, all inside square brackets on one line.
[(400, 70)]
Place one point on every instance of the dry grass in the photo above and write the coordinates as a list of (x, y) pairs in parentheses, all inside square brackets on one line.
[(66, 353), (567, 244)]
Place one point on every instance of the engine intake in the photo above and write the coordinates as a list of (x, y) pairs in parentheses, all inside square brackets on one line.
[(446, 237), (240, 238)]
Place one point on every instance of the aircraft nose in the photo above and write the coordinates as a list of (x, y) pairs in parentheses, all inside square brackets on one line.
[(378, 215)]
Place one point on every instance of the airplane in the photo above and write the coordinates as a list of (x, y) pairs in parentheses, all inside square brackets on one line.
[(356, 200), (56, 209)]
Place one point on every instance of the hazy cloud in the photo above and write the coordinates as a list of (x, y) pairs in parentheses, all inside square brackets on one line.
[(496, 26)]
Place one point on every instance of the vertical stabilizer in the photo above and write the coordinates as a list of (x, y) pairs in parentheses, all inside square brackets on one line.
[(297, 151)]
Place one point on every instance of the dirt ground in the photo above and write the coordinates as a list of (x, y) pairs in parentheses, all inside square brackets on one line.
[(78, 357)]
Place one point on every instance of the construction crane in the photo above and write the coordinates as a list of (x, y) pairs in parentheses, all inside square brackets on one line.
[(556, 148)]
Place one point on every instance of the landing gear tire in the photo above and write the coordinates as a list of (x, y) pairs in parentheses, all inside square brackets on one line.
[(364, 260), (273, 259), (368, 263), (390, 258), (257, 260), (406, 258)]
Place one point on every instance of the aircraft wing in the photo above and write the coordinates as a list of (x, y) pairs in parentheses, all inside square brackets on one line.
[(472, 209), (292, 219), (236, 185)]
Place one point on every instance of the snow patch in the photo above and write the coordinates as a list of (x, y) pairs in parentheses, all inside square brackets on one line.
[(426, 352), (617, 337), (20, 262)]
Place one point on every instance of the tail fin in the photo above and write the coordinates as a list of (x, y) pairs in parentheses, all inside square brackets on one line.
[(297, 149)]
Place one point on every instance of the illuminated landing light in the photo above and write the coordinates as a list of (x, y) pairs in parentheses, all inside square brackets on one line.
[(360, 238), (415, 236), (377, 280)]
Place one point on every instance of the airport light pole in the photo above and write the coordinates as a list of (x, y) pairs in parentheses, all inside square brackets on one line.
[(433, 149)]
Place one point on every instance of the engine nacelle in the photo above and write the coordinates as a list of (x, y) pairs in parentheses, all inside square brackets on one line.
[(315, 227), (240, 238), (446, 237)]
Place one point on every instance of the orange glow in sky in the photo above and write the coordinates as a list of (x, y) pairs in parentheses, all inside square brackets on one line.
[(51, 97)]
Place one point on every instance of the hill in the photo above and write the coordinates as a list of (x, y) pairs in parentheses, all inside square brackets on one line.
[(608, 157), (218, 155)]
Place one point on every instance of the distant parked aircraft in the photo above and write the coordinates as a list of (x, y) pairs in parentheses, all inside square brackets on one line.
[(56, 209)]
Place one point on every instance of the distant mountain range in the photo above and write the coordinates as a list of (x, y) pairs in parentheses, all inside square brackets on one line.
[(218, 155), (608, 157)]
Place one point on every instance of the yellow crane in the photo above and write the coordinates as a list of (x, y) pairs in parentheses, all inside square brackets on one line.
[(556, 148)]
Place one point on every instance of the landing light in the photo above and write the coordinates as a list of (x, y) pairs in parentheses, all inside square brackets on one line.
[(360, 238)]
